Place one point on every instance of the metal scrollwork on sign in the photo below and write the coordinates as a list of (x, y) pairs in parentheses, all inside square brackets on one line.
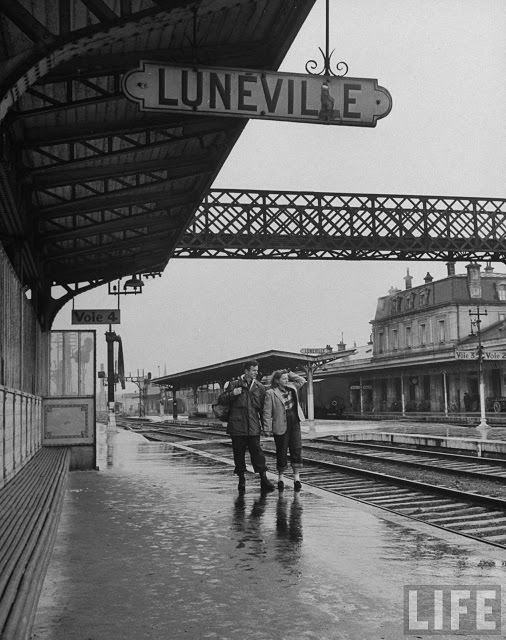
[(326, 70), (313, 67)]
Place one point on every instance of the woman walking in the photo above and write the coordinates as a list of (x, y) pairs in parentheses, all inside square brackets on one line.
[(282, 416)]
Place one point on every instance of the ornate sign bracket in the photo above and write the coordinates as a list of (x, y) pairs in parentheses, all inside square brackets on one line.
[(326, 70)]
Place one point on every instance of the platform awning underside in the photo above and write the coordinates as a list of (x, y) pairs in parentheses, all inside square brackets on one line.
[(92, 188)]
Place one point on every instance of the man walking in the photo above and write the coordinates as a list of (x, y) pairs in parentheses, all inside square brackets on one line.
[(245, 397)]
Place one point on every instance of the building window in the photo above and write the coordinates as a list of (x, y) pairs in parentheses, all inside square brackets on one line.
[(395, 339), (501, 290), (409, 338), (441, 331), (423, 334), (381, 342)]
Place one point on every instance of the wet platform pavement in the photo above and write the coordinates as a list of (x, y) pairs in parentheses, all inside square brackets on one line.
[(158, 545)]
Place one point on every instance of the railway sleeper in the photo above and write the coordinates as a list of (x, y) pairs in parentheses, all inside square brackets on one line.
[(468, 515)]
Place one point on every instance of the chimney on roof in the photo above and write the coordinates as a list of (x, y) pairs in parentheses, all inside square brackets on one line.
[(450, 266), (428, 278), (489, 268), (341, 346), (408, 279)]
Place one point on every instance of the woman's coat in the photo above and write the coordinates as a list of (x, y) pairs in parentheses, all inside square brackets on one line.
[(274, 417)]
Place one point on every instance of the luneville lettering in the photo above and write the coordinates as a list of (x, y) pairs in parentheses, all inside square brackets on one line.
[(162, 98), (216, 86), (185, 99), (271, 101), (243, 93), (347, 100), (303, 101)]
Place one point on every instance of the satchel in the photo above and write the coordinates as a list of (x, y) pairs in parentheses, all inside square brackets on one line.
[(221, 411)]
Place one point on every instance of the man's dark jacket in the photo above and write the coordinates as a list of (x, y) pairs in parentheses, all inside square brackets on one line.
[(245, 409)]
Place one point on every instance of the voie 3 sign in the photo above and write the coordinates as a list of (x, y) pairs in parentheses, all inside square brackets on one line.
[(257, 94)]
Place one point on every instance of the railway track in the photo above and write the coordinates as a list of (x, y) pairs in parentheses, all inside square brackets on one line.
[(458, 464), (489, 468), (466, 513), (172, 431)]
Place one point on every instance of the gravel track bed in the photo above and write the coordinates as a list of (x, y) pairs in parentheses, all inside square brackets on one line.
[(407, 447), (495, 488)]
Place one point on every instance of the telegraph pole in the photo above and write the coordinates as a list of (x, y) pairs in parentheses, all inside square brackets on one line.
[(141, 382)]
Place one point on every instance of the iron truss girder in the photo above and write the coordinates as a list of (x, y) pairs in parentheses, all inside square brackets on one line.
[(107, 186), (297, 225), (133, 218), (113, 265), (94, 132), (125, 248), (135, 195), (112, 178), (72, 155), (105, 243)]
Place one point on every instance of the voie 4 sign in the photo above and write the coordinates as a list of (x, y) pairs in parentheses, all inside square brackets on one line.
[(96, 316), (257, 94)]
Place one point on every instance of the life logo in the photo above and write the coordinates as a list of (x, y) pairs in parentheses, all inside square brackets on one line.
[(456, 609)]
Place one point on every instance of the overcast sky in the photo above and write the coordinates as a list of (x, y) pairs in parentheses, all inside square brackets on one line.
[(444, 63)]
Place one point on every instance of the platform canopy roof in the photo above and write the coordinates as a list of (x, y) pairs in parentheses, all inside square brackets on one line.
[(92, 188), (268, 362)]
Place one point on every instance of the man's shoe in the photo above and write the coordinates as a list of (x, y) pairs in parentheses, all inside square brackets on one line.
[(241, 487), (281, 485), (266, 485), (297, 486)]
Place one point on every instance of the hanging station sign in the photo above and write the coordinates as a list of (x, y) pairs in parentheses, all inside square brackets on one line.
[(257, 94), (96, 316), (487, 355)]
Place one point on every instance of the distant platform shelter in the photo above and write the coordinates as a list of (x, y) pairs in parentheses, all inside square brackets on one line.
[(212, 378)]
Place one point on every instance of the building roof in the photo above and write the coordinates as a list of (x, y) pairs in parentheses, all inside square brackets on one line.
[(268, 361), (451, 290), (92, 188)]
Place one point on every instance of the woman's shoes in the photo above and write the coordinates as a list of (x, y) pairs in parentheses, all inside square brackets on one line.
[(297, 486), (281, 485), (241, 487)]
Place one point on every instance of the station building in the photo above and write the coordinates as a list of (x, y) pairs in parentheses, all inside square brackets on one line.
[(422, 356)]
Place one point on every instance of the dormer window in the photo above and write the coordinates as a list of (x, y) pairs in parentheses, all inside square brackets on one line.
[(501, 290), (381, 342)]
